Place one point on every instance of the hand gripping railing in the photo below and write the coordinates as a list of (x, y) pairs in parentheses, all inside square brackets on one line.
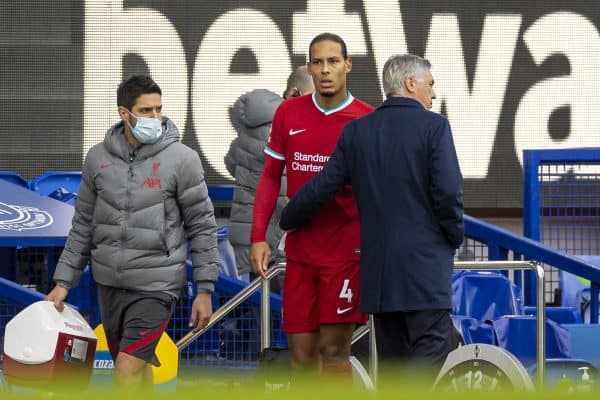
[(265, 321)]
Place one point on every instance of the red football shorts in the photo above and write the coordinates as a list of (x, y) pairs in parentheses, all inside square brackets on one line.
[(314, 295)]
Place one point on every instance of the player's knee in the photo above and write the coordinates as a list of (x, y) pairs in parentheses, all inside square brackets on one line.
[(129, 368), (334, 353), (302, 358)]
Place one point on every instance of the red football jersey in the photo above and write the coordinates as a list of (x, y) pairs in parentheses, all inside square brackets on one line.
[(304, 134)]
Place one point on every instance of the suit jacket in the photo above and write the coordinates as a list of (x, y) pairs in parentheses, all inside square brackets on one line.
[(403, 167)]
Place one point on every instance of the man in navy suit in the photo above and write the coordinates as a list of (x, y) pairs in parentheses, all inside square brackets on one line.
[(404, 171)]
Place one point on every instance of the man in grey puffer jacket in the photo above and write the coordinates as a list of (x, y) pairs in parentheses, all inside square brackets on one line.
[(142, 192), (252, 114)]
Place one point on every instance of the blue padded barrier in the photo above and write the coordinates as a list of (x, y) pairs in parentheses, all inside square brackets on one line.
[(85, 295), (560, 315), (14, 178), (484, 295), (52, 180), (517, 334), (14, 293)]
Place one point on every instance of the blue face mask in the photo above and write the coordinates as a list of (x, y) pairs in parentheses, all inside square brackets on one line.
[(147, 130)]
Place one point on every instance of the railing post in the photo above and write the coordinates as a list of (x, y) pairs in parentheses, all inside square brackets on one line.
[(594, 289), (541, 326), (531, 216), (265, 314), (373, 359), (531, 195), (518, 274)]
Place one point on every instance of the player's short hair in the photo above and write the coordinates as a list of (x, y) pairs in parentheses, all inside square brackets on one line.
[(133, 87), (300, 79), (332, 37)]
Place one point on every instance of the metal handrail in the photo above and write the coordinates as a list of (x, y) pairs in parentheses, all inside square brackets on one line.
[(235, 301), (358, 334), (265, 335)]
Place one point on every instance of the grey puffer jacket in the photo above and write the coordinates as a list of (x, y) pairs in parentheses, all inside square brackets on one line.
[(252, 116), (133, 213)]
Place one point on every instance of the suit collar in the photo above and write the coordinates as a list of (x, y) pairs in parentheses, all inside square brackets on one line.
[(400, 102)]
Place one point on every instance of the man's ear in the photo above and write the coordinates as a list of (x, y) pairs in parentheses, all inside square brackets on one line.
[(409, 84), (123, 114), (348, 62)]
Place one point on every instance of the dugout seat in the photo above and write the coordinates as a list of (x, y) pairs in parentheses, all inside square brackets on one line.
[(484, 295), (51, 181)]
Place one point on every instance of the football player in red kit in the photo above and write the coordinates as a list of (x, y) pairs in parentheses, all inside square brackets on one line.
[(321, 286)]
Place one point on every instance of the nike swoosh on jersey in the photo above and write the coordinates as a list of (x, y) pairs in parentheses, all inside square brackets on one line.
[(343, 310), (297, 131)]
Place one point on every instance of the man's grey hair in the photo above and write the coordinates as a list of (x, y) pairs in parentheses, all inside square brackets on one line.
[(399, 67)]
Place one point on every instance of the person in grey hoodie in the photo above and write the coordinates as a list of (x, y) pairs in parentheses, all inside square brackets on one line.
[(142, 194), (252, 114)]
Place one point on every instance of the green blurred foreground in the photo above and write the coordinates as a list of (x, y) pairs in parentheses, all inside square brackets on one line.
[(396, 388), (303, 394)]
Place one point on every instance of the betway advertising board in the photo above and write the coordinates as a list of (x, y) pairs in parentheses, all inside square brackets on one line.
[(509, 75)]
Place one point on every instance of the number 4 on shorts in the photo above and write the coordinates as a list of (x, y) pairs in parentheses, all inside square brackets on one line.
[(346, 292)]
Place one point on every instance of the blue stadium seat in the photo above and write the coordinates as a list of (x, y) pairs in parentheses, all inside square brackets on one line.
[(64, 195), (583, 299), (226, 253), (472, 330), (221, 192), (51, 181), (575, 290), (570, 286), (584, 342), (484, 295), (14, 178), (517, 334), (560, 315)]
